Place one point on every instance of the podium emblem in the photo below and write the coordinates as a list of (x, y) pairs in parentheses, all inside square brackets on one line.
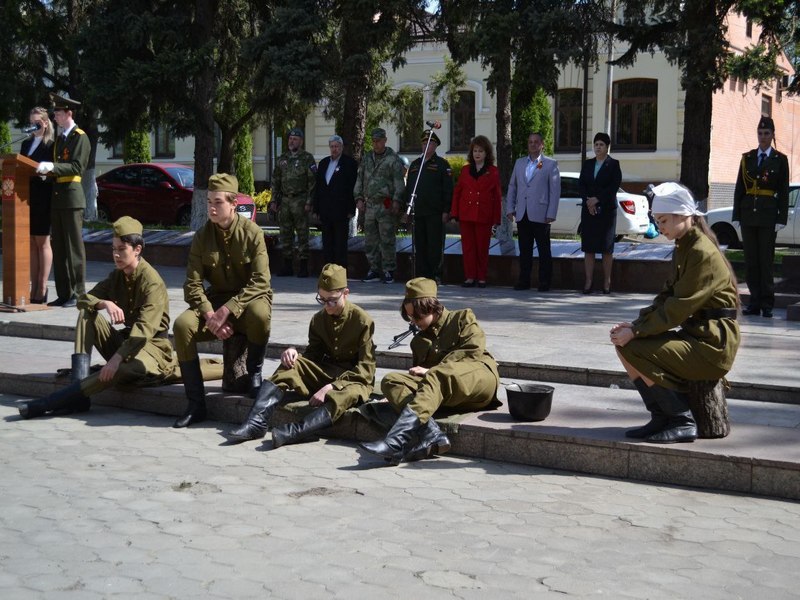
[(8, 188)]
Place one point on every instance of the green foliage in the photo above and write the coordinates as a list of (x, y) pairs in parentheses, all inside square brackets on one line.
[(456, 164), (262, 200), (535, 117), (446, 84), (757, 63), (243, 159), (5, 137), (137, 147)]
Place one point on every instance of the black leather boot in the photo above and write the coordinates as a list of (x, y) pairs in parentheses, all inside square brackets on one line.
[(432, 440), (70, 397), (303, 270), (292, 433), (658, 420), (255, 360), (80, 366), (681, 426), (195, 392), (256, 425), (394, 446)]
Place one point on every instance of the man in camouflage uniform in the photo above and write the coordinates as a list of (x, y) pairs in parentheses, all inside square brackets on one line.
[(379, 193), (293, 183)]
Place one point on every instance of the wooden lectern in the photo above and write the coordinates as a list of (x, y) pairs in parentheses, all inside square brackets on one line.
[(17, 171)]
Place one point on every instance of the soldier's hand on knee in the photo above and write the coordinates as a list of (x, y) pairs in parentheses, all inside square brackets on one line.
[(319, 397), (289, 357), (110, 369), (115, 313), (417, 371)]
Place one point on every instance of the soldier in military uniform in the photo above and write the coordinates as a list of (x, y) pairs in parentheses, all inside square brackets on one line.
[(761, 206), (71, 152), (451, 368), (230, 254), (336, 371), (134, 296), (431, 207), (293, 183), (379, 193)]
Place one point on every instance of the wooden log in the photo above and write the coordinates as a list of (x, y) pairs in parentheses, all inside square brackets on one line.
[(234, 357), (710, 408)]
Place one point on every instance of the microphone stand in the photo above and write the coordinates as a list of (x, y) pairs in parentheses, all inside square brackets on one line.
[(12, 142), (398, 339), (413, 201)]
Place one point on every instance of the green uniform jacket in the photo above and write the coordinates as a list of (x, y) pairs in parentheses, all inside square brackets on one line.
[(380, 178), (761, 197), (144, 300), (69, 163), (435, 189), (295, 175), (344, 342), (454, 337), (700, 280), (237, 271)]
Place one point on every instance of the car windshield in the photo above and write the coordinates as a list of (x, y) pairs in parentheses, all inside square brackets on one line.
[(183, 175)]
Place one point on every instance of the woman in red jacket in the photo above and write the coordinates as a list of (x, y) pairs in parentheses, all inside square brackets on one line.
[(477, 205)]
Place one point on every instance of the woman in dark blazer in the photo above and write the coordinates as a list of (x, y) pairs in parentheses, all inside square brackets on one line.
[(39, 147), (477, 204), (599, 182)]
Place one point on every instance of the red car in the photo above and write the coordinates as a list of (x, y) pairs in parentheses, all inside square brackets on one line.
[(153, 193)]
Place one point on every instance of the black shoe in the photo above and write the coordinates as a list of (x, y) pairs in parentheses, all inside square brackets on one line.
[(767, 312), (468, 283), (69, 398), (752, 310), (80, 367), (681, 426), (388, 277), (58, 302), (254, 362), (195, 393), (398, 441), (522, 286), (304, 431), (270, 396), (70, 303), (658, 420), (481, 284), (432, 440), (372, 277)]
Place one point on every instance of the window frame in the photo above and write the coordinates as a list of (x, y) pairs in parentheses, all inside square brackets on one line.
[(460, 141), (638, 105), (559, 110)]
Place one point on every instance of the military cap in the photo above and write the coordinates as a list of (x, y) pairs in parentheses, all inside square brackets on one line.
[(378, 132), (434, 137), (420, 287), (767, 123), (333, 277), (127, 226), (223, 182), (297, 132), (61, 103)]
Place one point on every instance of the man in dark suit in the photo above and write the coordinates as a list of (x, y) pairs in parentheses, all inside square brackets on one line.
[(334, 201), (761, 205), (70, 157), (532, 199)]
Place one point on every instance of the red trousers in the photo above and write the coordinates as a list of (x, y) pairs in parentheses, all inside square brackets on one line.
[(475, 249)]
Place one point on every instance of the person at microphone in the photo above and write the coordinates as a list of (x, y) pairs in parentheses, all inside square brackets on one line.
[(39, 147), (433, 177), (71, 152)]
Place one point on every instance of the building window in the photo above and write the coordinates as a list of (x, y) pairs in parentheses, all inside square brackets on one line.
[(766, 106), (568, 120), (118, 150), (748, 29), (410, 126), (634, 121), (165, 143), (462, 122), (779, 89)]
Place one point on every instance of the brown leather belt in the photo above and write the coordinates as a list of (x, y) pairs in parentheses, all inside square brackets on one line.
[(717, 313)]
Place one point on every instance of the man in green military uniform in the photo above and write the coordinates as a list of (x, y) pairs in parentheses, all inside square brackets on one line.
[(451, 368), (379, 193), (134, 296), (71, 152), (761, 206), (431, 210), (336, 371), (230, 254), (293, 183)]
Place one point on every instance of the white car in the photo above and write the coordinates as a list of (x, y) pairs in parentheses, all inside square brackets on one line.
[(728, 234), (632, 210)]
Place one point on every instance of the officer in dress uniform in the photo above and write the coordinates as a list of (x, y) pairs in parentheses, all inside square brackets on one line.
[(431, 207), (761, 206), (71, 152), (134, 296), (293, 183), (230, 254), (336, 371)]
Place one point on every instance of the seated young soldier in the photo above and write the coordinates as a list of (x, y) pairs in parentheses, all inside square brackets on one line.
[(451, 368), (336, 371), (230, 254), (133, 295)]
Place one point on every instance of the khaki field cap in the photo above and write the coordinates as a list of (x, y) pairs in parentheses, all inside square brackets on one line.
[(223, 182), (378, 133), (420, 287), (127, 226), (333, 277), (61, 103)]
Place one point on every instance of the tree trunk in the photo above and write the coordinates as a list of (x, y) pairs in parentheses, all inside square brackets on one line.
[(505, 157), (226, 151), (356, 78), (710, 408), (696, 149)]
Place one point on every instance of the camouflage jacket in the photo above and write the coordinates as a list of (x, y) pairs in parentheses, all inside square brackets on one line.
[(381, 177), (295, 176)]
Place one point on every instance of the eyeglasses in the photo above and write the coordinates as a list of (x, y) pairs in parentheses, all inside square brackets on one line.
[(329, 301)]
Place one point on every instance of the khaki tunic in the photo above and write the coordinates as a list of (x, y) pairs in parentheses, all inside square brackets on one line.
[(700, 348), (461, 374), (340, 352), (147, 356), (236, 266)]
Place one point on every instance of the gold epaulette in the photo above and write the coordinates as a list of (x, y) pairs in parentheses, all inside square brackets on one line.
[(79, 131)]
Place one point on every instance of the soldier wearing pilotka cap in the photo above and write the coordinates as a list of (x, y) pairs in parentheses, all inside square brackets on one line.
[(133, 296)]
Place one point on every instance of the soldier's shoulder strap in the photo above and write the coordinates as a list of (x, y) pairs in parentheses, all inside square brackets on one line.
[(79, 131)]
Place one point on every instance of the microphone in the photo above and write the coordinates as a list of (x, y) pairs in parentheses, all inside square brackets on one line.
[(32, 128), (433, 124)]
